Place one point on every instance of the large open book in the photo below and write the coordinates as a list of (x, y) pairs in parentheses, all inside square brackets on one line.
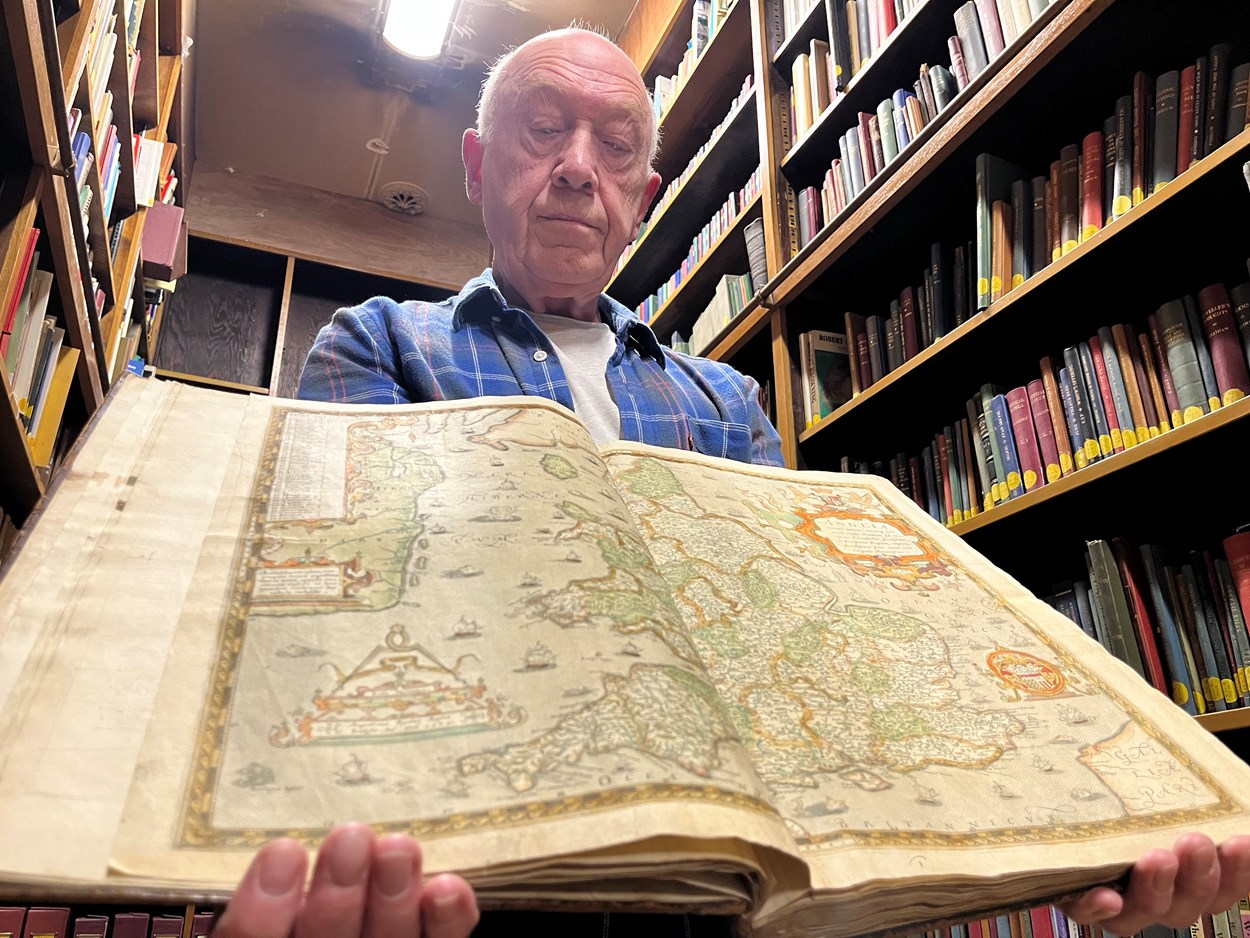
[(624, 677)]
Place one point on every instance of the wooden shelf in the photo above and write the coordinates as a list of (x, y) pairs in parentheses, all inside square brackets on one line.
[(666, 241), (753, 318), (209, 382), (727, 254), (169, 68), (813, 26), (1220, 721), (707, 93)]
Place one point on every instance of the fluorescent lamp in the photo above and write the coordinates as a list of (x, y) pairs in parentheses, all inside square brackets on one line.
[(418, 28)]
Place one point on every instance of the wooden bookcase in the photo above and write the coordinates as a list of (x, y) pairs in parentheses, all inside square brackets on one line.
[(1057, 82), (43, 71)]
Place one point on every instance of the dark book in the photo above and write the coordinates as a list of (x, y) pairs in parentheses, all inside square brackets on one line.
[(840, 70), (1069, 198), (1182, 362), (1167, 114), (1238, 91), (1087, 438), (1108, 590), (1021, 232), (857, 339), (46, 922), (1205, 366), (926, 94), (924, 309), (1202, 88), (864, 30), (1091, 185), (928, 472), (1053, 239), (863, 134), (971, 39), (1143, 111), (1178, 666), (873, 325), (1097, 411), (941, 294), (1212, 664), (893, 341), (911, 328), (1240, 298), (1041, 247), (1185, 119), (944, 87), (959, 285), (993, 184), (1219, 326), (1136, 592), (980, 455), (1122, 179), (1204, 591), (1108, 168), (89, 926), (1216, 110), (1071, 413)]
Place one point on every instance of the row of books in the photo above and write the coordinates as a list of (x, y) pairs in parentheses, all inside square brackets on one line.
[(102, 49), (1176, 618), (706, 18), (709, 235), (1051, 922), (670, 191), (1024, 222), (62, 922), (733, 293), (1109, 393), (37, 363)]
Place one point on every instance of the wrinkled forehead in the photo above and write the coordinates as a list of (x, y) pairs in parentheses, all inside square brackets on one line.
[(586, 75)]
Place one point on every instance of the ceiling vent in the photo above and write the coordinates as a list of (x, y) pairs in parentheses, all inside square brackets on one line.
[(404, 197)]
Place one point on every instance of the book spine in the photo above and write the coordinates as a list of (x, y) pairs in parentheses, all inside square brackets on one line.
[(1185, 119), (1213, 662), (1091, 185), (1123, 348), (971, 41), (1098, 416), (1032, 470), (941, 289), (1218, 621), (931, 499), (1202, 78), (1058, 420), (1161, 423), (1217, 97), (1040, 411), (1220, 328), (980, 451), (991, 29), (1106, 395), (1040, 240), (1085, 440), (1167, 104), (1173, 588), (1108, 169), (911, 331), (1240, 298), (1021, 232), (1054, 193), (1139, 610), (1117, 382), (1165, 370), (1069, 198), (943, 465), (1143, 108), (1000, 250), (1238, 94), (1182, 362), (1205, 366), (1237, 626), (1122, 182), (1007, 445), (999, 486), (1178, 671)]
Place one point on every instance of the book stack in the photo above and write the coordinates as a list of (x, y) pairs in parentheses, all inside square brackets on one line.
[(1177, 617), (703, 242), (1102, 396), (1160, 129), (56, 922), (733, 293), (670, 191), (825, 373), (705, 20)]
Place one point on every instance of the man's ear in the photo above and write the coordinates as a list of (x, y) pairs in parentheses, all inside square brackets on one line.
[(471, 151), (648, 196)]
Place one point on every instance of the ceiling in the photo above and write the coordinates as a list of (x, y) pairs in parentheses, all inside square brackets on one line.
[(283, 90)]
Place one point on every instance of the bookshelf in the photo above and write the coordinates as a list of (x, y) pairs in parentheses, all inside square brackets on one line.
[(48, 68), (1054, 83)]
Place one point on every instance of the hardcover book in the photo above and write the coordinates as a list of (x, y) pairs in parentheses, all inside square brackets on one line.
[(584, 677)]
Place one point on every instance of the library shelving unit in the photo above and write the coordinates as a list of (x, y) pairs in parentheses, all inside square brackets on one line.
[(1056, 82), (47, 55)]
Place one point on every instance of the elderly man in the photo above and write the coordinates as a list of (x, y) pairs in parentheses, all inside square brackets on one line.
[(560, 164)]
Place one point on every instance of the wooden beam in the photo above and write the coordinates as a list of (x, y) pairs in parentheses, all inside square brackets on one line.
[(276, 368)]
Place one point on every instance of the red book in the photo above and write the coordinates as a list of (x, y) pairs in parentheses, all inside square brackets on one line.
[(91, 926), (167, 926), (1143, 113), (1185, 119), (1031, 468), (991, 29), (1042, 424), (1104, 393), (11, 920), (13, 300), (889, 22), (1135, 586), (944, 470), (162, 231), (1039, 920), (202, 924), (1228, 361), (857, 339), (865, 147), (1159, 406), (1237, 550), (911, 329), (131, 925), (1091, 185), (46, 923), (1058, 420)]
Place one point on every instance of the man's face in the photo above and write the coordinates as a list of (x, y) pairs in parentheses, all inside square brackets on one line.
[(564, 181)]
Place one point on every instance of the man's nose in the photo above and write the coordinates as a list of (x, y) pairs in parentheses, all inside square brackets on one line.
[(576, 167)]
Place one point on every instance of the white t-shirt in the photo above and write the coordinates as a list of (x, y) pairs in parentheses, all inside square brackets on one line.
[(584, 349)]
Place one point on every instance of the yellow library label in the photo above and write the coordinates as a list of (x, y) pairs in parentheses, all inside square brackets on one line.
[(996, 491), (996, 284), (1117, 439), (1180, 693), (1240, 677), (1104, 445), (1159, 185), (983, 286), (959, 516), (1091, 450), (1056, 253), (1214, 403), (1121, 205), (837, 71), (1178, 418), (1139, 196), (1013, 481), (1199, 701), (1016, 280), (1068, 247), (1082, 459), (1230, 690), (1232, 395), (1191, 413), (1089, 232), (1030, 479), (1052, 471), (1128, 438), (1065, 463), (989, 502), (1143, 434), (1215, 690)]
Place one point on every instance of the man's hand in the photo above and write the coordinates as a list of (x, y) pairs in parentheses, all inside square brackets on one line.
[(361, 886), (1171, 887)]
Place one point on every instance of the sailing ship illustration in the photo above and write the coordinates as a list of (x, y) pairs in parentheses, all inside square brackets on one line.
[(538, 657), (353, 772), (400, 690), (629, 648), (1070, 714), (573, 557), (1003, 791), (466, 628), (926, 795), (254, 775), (530, 580), (1042, 764)]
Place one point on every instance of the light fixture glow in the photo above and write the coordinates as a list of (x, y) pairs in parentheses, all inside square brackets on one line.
[(418, 28)]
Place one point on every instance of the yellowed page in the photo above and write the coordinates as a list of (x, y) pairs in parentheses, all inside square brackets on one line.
[(436, 619), (915, 713)]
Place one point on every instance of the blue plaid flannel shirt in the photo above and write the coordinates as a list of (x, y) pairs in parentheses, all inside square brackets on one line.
[(474, 344)]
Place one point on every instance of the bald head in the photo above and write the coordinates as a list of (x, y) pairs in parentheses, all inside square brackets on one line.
[(502, 79)]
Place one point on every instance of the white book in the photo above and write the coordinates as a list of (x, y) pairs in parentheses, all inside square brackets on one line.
[(40, 390), (1007, 20), (148, 170), (28, 339)]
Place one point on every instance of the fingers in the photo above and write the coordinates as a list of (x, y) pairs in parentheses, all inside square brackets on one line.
[(394, 888), (1234, 858), (269, 896), (335, 905), (448, 908)]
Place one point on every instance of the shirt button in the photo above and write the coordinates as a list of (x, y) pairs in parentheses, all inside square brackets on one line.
[(540, 356), (496, 319)]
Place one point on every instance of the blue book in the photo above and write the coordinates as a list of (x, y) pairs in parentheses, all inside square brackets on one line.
[(1086, 438), (1007, 445), (1173, 651), (1119, 393), (1094, 400), (1068, 398)]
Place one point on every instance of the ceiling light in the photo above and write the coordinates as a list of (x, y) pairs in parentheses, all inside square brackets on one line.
[(419, 28)]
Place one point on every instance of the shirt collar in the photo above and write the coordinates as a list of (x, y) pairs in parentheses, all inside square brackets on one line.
[(481, 298)]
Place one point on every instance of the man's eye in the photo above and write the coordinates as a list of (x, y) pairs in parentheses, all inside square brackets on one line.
[(546, 131), (616, 146)]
